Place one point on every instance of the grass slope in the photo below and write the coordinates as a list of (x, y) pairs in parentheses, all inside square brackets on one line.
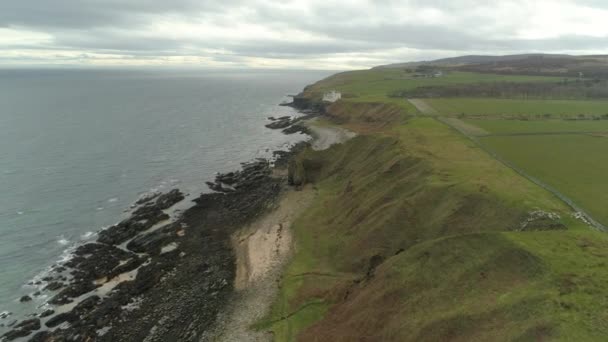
[(415, 237)]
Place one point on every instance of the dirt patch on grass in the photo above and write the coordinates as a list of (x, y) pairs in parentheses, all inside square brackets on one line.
[(373, 115), (327, 136)]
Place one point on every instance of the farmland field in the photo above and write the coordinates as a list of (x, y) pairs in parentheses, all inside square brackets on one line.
[(575, 164), (495, 126), (527, 108), (377, 85)]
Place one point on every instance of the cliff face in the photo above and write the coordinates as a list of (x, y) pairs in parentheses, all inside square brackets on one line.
[(306, 102)]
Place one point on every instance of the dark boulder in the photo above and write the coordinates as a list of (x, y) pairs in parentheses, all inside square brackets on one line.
[(25, 299), (279, 124), (53, 286), (297, 128), (22, 329), (47, 313), (61, 318), (167, 200), (143, 218), (147, 198), (152, 242), (41, 336), (29, 324), (86, 305)]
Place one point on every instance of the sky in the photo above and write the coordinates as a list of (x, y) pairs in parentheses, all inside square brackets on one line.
[(332, 35)]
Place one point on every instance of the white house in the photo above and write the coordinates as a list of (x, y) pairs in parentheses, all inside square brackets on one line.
[(332, 96)]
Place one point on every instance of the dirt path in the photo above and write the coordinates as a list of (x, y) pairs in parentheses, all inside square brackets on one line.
[(261, 252), (470, 129), (326, 136), (423, 106)]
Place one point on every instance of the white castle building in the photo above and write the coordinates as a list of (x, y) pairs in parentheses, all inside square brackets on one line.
[(332, 96)]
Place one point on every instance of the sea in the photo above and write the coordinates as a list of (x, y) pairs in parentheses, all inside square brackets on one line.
[(78, 147)]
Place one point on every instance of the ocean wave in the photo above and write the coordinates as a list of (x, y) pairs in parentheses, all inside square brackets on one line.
[(113, 199), (63, 241), (88, 235)]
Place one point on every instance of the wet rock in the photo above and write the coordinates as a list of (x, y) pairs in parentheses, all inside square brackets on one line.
[(272, 118), (53, 286), (30, 324), (5, 314), (228, 178), (219, 187), (128, 266), (296, 128), (143, 218), (47, 313), (145, 198), (94, 260), (61, 318), (251, 175), (25, 299), (22, 329), (152, 242), (167, 200), (41, 336), (279, 124), (86, 305), (15, 334)]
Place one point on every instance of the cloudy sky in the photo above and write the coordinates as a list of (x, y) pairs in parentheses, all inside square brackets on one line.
[(290, 34)]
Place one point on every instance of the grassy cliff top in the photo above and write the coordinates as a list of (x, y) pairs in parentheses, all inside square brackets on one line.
[(418, 234)]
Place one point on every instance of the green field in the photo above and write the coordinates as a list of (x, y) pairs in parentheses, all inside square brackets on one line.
[(495, 126), (576, 165), (376, 85), (527, 108)]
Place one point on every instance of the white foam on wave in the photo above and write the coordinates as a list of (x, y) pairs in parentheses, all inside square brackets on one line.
[(99, 208), (88, 235), (63, 241), (20, 213), (112, 200)]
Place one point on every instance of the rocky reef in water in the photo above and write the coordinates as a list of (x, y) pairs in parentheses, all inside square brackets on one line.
[(153, 278)]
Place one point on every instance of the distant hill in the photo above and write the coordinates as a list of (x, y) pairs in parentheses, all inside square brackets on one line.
[(472, 59), (537, 64)]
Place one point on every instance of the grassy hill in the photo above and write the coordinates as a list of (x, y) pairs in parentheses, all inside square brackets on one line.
[(531, 64), (418, 234)]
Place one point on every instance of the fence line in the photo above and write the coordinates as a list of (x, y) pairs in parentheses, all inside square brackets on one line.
[(594, 223)]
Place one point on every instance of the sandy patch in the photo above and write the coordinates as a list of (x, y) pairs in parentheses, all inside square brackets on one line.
[(261, 252)]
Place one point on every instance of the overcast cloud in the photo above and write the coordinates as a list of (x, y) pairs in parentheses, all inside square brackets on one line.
[(290, 34)]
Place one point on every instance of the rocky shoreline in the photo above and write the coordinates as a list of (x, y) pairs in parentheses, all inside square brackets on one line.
[(152, 278)]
